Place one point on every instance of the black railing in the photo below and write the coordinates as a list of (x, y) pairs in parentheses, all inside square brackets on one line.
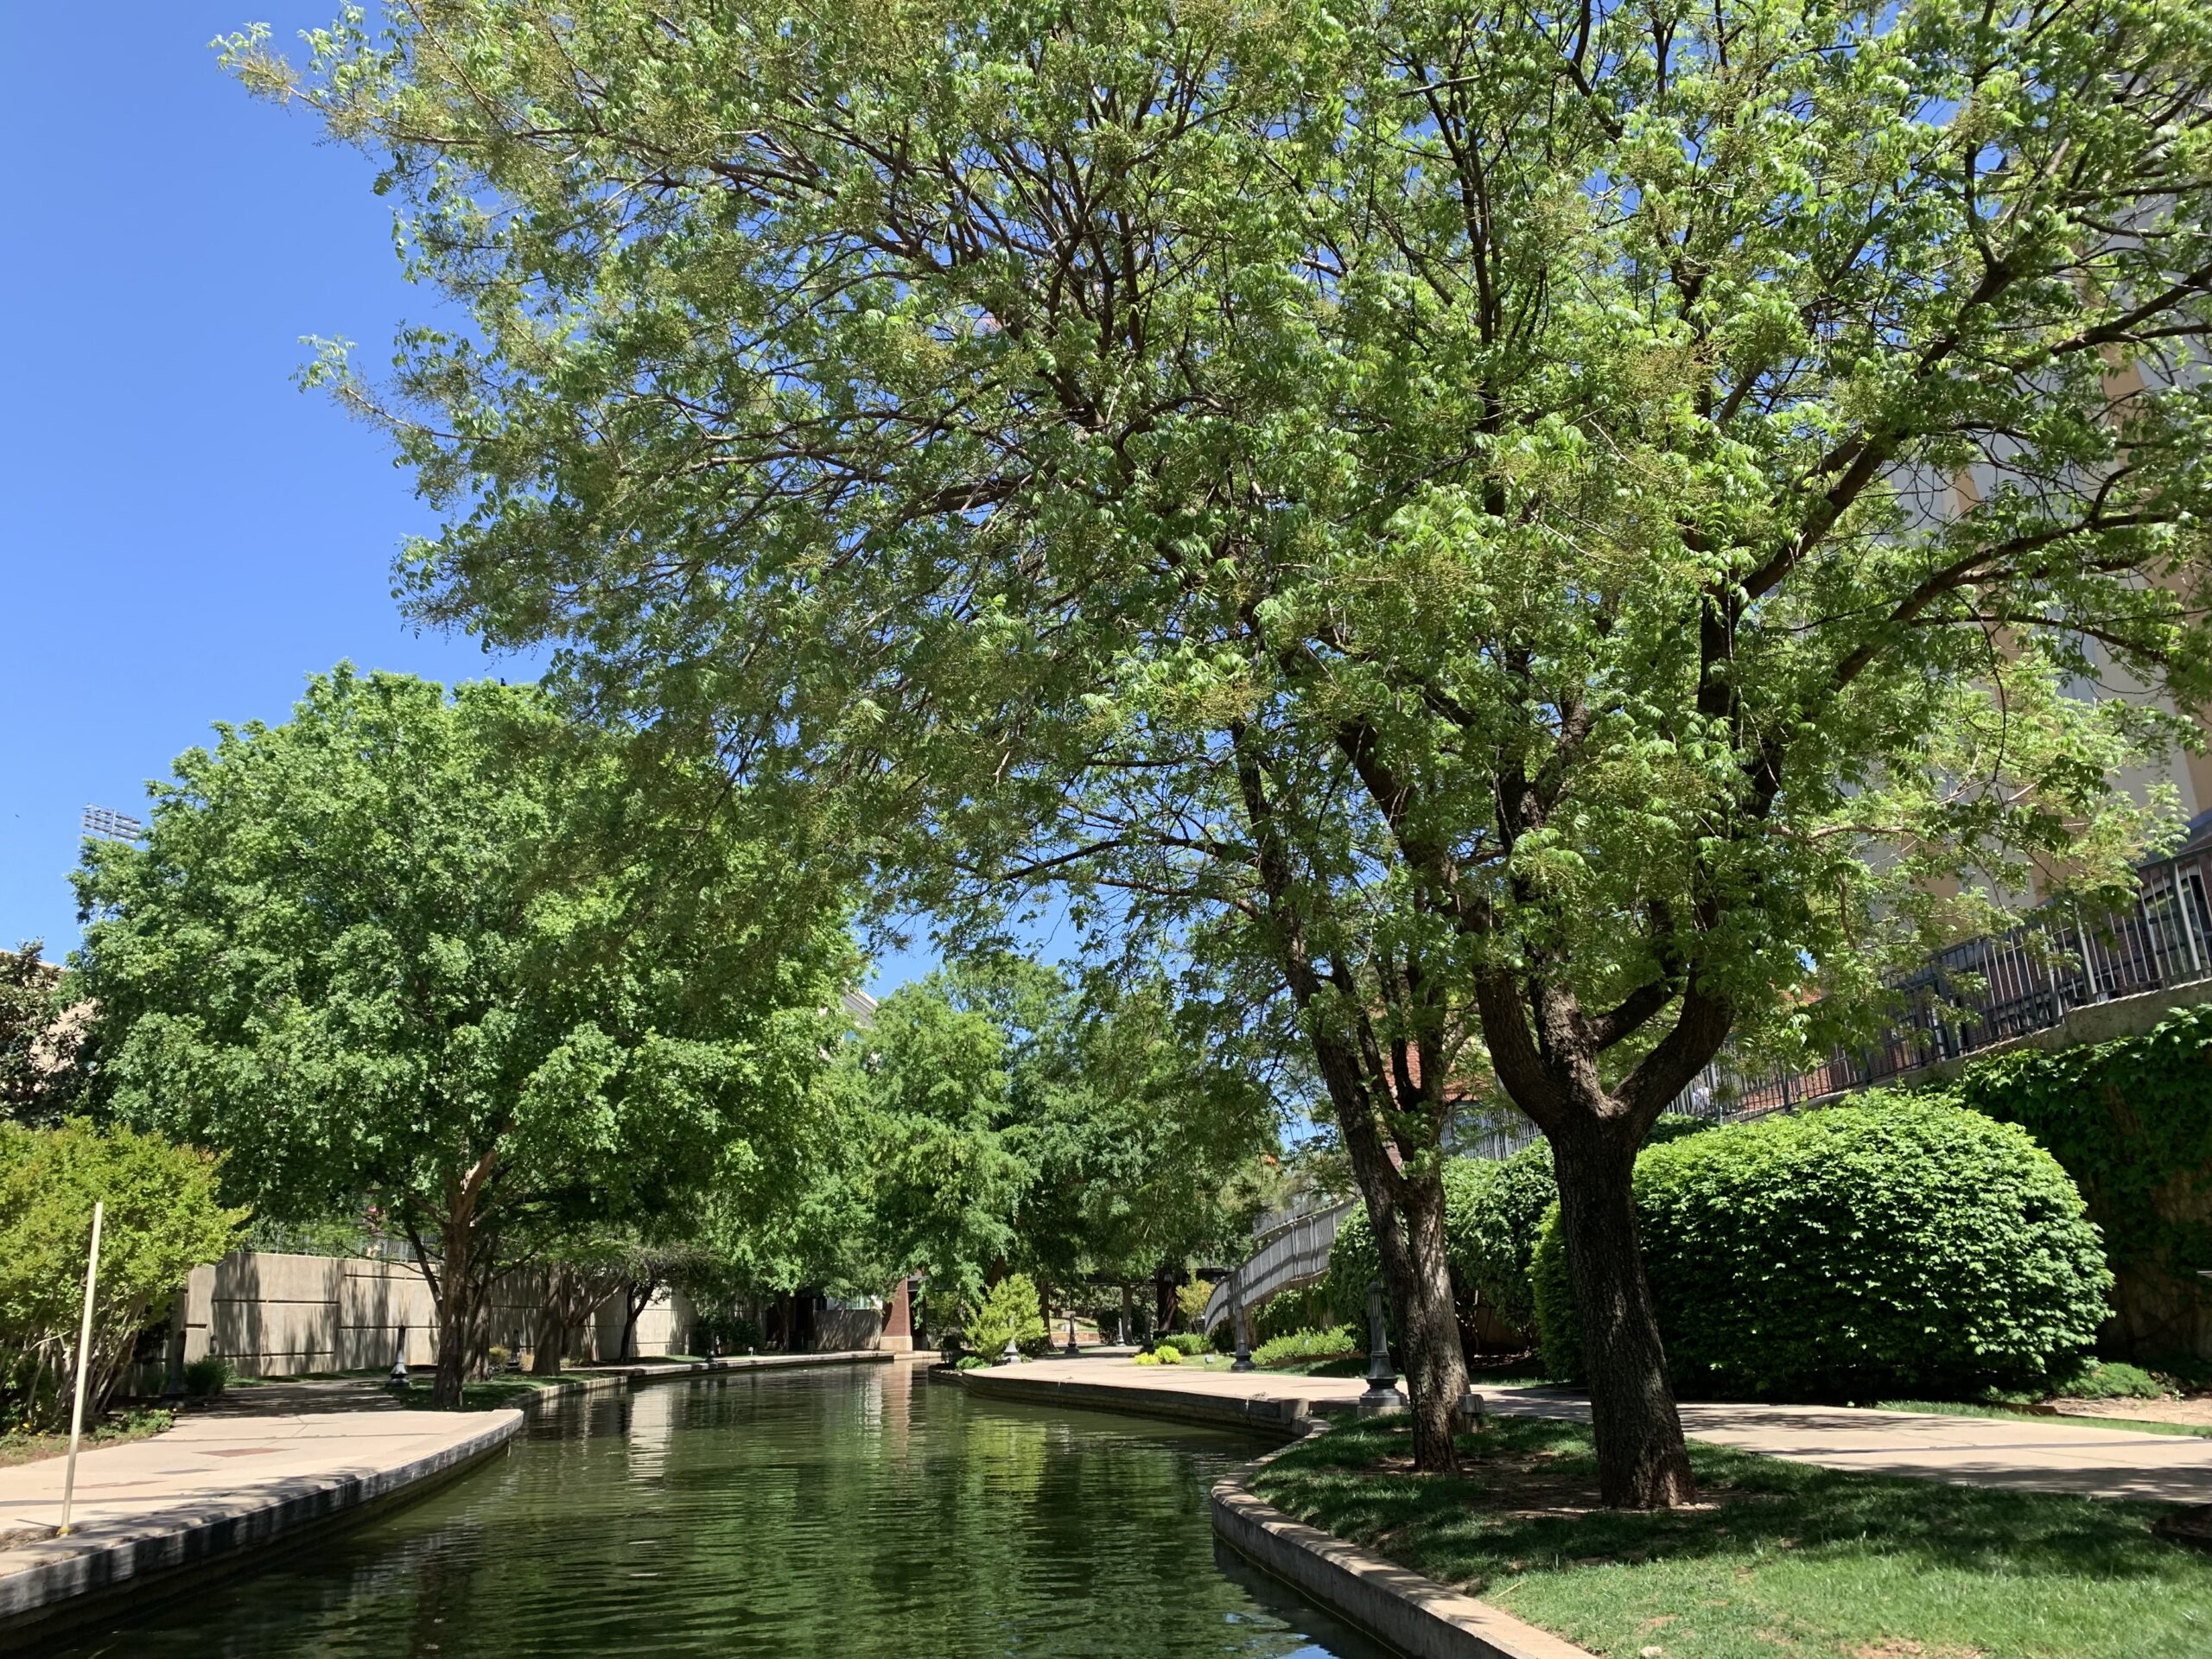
[(1981, 993), (1992, 990)]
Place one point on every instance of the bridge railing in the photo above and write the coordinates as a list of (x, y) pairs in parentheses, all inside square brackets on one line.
[(1288, 1257)]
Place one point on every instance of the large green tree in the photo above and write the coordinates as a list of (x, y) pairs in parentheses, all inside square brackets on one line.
[(1550, 530), (452, 955)]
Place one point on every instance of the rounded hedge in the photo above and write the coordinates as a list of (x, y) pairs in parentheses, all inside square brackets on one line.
[(1899, 1245)]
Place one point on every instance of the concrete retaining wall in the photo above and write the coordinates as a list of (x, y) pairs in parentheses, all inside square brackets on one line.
[(277, 1315)]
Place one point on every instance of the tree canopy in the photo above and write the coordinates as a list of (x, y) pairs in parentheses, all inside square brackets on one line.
[(1539, 535), (444, 954)]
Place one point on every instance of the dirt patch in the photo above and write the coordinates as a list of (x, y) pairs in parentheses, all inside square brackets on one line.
[(1900, 1648), (2196, 1412)]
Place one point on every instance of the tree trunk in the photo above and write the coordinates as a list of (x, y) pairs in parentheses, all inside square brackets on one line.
[(551, 1338), (1128, 1313), (1641, 1461), (1428, 1324), (456, 1306)]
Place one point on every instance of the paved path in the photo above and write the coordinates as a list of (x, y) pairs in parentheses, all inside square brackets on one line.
[(226, 1458), (2032, 1454)]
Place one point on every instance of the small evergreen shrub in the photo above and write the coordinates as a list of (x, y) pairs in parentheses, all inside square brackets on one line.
[(1163, 1355), (1188, 1343), (1307, 1344), (1009, 1311), (1898, 1246), (207, 1376)]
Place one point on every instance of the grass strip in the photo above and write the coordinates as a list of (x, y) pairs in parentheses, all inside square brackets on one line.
[(1781, 1559), (23, 1446)]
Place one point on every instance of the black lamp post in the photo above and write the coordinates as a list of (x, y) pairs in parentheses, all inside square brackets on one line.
[(1243, 1360), (1383, 1393)]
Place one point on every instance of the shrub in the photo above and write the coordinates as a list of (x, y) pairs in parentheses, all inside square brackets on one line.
[(1191, 1300), (163, 1220), (207, 1376), (1009, 1312), (2112, 1380), (1162, 1354), (1492, 1211), (1900, 1245), (1189, 1344), (1307, 1344), (971, 1363), (1223, 1337), (1308, 1309)]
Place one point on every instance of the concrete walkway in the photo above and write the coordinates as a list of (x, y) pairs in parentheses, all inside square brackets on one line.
[(2031, 1454), (217, 1482)]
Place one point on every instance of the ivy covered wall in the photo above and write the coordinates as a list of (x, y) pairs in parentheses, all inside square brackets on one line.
[(2132, 1121)]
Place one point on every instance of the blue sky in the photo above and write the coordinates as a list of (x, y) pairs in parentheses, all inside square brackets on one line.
[(184, 535)]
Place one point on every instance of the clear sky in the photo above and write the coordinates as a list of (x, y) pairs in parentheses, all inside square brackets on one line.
[(184, 535)]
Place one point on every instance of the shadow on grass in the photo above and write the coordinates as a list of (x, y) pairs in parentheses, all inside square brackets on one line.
[(1526, 1502)]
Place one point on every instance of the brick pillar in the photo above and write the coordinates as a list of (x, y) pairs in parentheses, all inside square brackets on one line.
[(898, 1334)]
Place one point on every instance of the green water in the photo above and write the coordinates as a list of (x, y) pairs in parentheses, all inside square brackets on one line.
[(855, 1514)]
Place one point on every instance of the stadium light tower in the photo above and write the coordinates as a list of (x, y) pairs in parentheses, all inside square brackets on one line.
[(105, 823)]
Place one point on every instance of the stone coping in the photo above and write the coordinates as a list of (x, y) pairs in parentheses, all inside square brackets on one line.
[(1417, 1616), (1275, 1419), (634, 1374)]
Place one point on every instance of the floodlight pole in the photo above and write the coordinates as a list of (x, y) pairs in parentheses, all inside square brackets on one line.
[(83, 1366)]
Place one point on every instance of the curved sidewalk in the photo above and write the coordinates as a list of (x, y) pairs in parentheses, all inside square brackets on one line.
[(213, 1485), (2048, 1454)]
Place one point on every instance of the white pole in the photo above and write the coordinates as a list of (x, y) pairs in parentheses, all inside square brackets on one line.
[(83, 1366)]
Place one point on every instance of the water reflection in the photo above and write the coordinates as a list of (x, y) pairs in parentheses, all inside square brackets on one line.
[(852, 1515)]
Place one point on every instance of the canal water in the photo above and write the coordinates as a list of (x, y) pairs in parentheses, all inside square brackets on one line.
[(855, 1514)]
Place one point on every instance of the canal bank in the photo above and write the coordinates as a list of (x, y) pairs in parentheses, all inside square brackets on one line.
[(271, 1467)]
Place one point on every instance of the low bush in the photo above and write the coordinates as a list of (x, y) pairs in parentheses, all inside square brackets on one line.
[(1307, 1344), (2112, 1380), (1009, 1312), (1163, 1355), (971, 1363), (207, 1376), (1900, 1245), (1189, 1344)]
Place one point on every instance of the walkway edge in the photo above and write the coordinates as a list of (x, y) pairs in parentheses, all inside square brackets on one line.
[(124, 1557), (1417, 1616), (1274, 1419)]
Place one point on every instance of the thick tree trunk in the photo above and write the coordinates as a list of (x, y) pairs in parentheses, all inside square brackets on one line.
[(549, 1343), (1641, 1461), (1128, 1314), (456, 1307)]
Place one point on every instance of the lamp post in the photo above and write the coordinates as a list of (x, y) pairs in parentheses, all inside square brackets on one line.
[(399, 1377), (1071, 1351), (1382, 1375), (1243, 1360)]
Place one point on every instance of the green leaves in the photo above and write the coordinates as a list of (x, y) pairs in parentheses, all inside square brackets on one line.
[(454, 955)]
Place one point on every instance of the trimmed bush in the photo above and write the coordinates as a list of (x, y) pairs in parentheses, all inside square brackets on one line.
[(1308, 1344), (1900, 1245), (1189, 1344)]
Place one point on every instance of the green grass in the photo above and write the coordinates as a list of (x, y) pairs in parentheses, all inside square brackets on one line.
[(136, 1424), (1957, 1408), (1792, 1561)]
